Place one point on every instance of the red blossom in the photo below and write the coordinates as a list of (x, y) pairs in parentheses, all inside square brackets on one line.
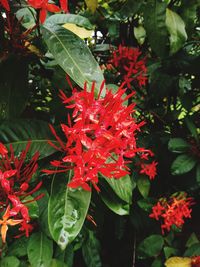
[(16, 173), (5, 4), (172, 211), (128, 63), (99, 138), (196, 261), (149, 169), (44, 7)]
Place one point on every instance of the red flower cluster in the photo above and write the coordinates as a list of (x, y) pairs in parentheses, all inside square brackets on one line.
[(15, 177), (172, 211), (5, 4), (126, 61), (149, 169), (44, 7), (100, 139), (196, 261)]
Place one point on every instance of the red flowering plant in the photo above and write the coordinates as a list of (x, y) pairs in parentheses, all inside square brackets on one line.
[(130, 66), (172, 211), (16, 190), (99, 203), (101, 137)]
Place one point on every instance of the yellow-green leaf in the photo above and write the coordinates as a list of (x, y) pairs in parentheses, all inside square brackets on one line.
[(92, 5), (80, 31)]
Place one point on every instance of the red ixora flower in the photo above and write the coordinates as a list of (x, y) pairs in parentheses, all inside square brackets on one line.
[(132, 68), (5, 4), (16, 173), (196, 261), (101, 137), (149, 169), (44, 7), (172, 211)]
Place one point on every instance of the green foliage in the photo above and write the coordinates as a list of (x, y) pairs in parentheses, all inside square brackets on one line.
[(67, 210)]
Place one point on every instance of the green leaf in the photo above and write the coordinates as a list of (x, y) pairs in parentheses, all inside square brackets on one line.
[(189, 13), (73, 55), (57, 263), (150, 246), (10, 261), (14, 79), (19, 132), (143, 185), (169, 252), (91, 250), (40, 250), (193, 250), (198, 173), (157, 263), (154, 21), (92, 5), (67, 210), (146, 204), (129, 9), (193, 239), (18, 248), (192, 128), (27, 16), (178, 145), (140, 34), (176, 29), (66, 255), (123, 187), (61, 19), (182, 164), (33, 208)]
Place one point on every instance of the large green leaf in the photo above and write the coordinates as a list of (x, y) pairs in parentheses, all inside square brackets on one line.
[(91, 250), (27, 17), (67, 210), (123, 187), (61, 19), (10, 261), (57, 263), (114, 203), (182, 164), (19, 132), (40, 250), (150, 246), (154, 19), (73, 55), (13, 87), (176, 28), (178, 145)]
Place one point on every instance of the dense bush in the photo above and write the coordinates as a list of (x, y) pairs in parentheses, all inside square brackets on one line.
[(99, 133)]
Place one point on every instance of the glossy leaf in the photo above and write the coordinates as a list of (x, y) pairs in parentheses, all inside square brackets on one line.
[(19, 132), (198, 173), (182, 164), (66, 256), (79, 31), (73, 55), (143, 185), (122, 187), (91, 250), (178, 145), (154, 21), (40, 250), (18, 248), (61, 19), (115, 204), (151, 246), (67, 210), (176, 28), (27, 17)]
